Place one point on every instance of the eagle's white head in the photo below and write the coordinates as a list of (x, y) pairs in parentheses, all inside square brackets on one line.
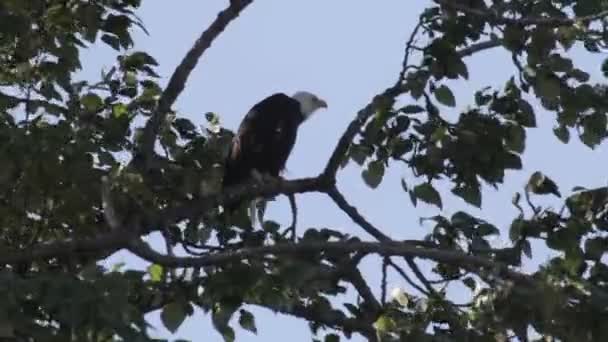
[(309, 103)]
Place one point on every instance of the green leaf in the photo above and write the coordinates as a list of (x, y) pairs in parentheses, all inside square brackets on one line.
[(156, 272), (579, 75), (470, 283), (548, 86), (221, 315), (559, 64), (173, 315), (444, 95), (247, 321), (373, 174), (113, 41), (516, 138), (595, 248), (516, 229), (470, 194), (541, 184), (428, 194), (384, 324), (525, 116), (562, 133), (412, 109), (359, 153), (119, 110), (332, 338), (486, 229), (91, 102), (605, 67)]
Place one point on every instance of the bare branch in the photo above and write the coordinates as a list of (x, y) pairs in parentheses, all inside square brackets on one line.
[(408, 51), (177, 82), (353, 213), (406, 277)]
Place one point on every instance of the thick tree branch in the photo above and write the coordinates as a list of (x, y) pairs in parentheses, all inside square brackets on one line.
[(356, 278), (121, 235), (177, 82), (386, 248), (247, 191)]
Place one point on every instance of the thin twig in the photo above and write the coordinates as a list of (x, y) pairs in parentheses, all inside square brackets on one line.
[(478, 47), (383, 282), (406, 277)]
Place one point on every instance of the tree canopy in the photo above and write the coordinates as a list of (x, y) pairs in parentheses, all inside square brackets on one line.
[(68, 198)]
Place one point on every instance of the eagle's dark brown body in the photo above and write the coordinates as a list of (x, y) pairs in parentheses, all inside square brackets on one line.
[(264, 139)]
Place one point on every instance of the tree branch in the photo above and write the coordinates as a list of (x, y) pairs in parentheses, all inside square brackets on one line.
[(478, 47), (177, 82), (386, 248), (353, 213), (237, 193)]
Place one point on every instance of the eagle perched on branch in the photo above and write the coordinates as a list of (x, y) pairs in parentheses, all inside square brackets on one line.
[(267, 135)]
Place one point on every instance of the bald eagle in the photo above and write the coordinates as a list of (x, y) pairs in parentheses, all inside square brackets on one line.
[(267, 135)]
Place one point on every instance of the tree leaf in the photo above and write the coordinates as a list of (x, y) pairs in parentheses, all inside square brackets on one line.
[(119, 110), (526, 116), (516, 138), (595, 248), (373, 174), (428, 194), (156, 272), (332, 338), (113, 41), (91, 102), (486, 229), (548, 86), (562, 133), (469, 193), (444, 95), (541, 184), (173, 315), (412, 109), (247, 321)]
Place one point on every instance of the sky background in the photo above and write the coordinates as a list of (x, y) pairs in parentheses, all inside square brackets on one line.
[(345, 52)]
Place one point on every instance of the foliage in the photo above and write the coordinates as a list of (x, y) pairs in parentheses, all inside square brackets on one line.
[(67, 202)]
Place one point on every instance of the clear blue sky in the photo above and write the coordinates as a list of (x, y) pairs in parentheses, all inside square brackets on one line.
[(345, 51)]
